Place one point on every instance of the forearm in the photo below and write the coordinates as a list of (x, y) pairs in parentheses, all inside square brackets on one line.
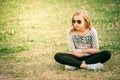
[(80, 55), (77, 54), (91, 51)]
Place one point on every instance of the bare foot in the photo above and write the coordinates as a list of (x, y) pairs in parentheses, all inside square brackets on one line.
[(84, 65)]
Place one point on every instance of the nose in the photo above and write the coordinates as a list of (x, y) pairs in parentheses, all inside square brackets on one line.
[(75, 23)]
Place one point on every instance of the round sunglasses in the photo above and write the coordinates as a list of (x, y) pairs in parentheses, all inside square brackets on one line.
[(78, 21)]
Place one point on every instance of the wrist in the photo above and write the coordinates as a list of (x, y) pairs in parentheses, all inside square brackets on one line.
[(79, 50)]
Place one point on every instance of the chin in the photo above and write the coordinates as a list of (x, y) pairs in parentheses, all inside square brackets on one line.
[(78, 28)]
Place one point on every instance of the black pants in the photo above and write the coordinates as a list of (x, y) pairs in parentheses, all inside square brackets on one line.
[(100, 57)]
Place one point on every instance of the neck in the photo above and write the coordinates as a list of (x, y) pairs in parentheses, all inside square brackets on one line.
[(83, 31)]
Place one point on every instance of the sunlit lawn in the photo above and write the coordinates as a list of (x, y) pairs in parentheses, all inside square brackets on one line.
[(32, 31)]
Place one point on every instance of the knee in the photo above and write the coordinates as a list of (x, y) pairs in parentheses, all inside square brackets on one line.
[(107, 54), (57, 56)]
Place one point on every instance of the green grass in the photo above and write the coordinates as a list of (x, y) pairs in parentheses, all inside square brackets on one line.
[(13, 49), (32, 31)]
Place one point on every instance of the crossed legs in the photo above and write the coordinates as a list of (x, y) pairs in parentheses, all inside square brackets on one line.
[(68, 59)]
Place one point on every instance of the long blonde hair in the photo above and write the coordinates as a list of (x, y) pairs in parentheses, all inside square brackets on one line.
[(85, 15)]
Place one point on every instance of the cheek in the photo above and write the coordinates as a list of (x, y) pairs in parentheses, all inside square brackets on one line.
[(80, 25), (83, 23)]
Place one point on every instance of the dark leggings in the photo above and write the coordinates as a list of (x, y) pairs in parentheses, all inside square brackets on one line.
[(100, 57)]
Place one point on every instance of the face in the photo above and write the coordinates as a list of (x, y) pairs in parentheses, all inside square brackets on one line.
[(78, 22)]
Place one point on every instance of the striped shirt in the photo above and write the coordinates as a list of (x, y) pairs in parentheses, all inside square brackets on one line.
[(77, 42)]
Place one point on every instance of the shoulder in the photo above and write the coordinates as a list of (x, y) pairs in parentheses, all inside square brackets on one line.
[(93, 30), (73, 33), (69, 32)]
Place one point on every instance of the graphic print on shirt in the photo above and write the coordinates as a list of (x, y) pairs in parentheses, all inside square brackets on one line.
[(82, 42)]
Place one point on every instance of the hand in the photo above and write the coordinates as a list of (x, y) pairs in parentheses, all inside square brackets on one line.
[(73, 53), (92, 51)]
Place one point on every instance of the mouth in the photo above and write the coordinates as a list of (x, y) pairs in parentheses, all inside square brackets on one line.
[(76, 26)]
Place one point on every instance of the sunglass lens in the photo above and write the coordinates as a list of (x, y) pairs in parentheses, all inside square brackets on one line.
[(73, 21), (79, 21)]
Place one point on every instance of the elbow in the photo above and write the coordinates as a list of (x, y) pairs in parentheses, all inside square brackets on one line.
[(96, 50)]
